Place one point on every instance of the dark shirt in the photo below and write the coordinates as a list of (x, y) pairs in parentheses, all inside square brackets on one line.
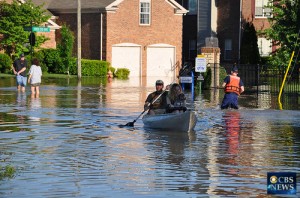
[(18, 65), (160, 103)]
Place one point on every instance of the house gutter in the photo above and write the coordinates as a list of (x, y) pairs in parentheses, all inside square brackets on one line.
[(240, 32), (101, 36)]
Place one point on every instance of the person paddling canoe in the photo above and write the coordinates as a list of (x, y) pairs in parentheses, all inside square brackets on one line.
[(159, 106)]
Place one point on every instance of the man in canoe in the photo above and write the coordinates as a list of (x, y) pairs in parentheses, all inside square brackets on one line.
[(156, 101), (233, 87)]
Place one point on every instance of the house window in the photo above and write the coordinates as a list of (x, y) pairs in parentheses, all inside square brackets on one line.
[(192, 7), (228, 49), (145, 12), (264, 46), (261, 10)]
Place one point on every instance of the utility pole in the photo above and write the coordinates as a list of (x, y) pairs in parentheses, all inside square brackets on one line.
[(79, 39)]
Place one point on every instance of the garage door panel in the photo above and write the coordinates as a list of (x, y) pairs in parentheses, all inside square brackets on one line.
[(127, 57), (160, 61)]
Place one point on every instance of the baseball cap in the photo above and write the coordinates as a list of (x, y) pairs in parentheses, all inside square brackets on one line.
[(234, 69), (22, 55), (159, 82)]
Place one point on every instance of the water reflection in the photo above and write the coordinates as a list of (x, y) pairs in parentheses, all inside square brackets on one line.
[(232, 131), (35, 105), (68, 141)]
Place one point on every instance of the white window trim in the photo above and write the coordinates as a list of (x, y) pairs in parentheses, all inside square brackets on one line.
[(262, 6), (145, 1)]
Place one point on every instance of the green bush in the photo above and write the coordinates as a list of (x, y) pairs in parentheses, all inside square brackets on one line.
[(53, 61), (94, 67), (5, 63), (73, 66), (112, 69), (223, 74), (207, 79), (122, 73), (7, 172)]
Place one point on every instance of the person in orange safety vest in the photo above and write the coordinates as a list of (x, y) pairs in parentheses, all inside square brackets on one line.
[(233, 87)]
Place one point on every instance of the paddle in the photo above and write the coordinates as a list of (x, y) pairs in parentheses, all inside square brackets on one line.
[(131, 124)]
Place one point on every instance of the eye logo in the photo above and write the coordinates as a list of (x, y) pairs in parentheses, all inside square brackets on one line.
[(273, 179)]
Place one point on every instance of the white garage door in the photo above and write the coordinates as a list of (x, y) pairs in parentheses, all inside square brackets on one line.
[(127, 55), (160, 60)]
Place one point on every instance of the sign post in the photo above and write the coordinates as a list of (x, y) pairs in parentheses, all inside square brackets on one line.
[(200, 66)]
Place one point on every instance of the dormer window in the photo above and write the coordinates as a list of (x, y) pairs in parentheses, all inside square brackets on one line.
[(145, 8)]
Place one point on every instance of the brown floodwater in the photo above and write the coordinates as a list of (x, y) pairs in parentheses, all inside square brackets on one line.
[(68, 143)]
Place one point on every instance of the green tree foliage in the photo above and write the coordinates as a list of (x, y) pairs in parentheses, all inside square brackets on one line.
[(5, 63), (13, 18), (249, 47), (65, 47), (285, 24)]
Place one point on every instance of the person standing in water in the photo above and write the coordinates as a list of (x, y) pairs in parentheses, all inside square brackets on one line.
[(35, 74), (19, 69)]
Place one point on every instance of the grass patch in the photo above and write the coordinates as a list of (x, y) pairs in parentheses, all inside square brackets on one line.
[(7, 172)]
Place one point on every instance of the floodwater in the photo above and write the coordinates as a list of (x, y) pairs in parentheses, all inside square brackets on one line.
[(68, 143)]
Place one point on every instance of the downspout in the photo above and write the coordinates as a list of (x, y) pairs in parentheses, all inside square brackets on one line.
[(101, 36), (240, 30)]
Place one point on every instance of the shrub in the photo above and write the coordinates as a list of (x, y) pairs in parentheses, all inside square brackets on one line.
[(53, 61), (73, 66), (5, 63), (94, 67), (122, 73), (223, 74), (207, 79)]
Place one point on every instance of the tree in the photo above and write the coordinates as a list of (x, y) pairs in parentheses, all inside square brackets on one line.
[(65, 47), (285, 24), (249, 47), (13, 18)]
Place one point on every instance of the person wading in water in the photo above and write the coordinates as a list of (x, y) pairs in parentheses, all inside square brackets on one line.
[(233, 87)]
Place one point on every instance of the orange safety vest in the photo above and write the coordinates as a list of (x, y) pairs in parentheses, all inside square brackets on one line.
[(233, 86)]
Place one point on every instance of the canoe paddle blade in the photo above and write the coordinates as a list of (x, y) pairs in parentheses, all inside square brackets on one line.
[(130, 124)]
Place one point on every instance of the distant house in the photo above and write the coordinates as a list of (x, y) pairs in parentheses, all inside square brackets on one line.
[(144, 36), (223, 19)]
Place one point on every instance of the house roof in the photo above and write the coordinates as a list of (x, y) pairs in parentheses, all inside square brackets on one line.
[(50, 21), (92, 6)]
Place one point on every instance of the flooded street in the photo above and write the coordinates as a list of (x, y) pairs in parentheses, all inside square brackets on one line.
[(68, 143)]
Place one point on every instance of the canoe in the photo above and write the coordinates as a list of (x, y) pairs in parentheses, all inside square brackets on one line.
[(185, 121)]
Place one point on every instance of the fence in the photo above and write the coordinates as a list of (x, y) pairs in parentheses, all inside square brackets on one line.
[(263, 78)]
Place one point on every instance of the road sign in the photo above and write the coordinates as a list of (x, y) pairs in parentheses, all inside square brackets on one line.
[(200, 64), (186, 79), (37, 29)]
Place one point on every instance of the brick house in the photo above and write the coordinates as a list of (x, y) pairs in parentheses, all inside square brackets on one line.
[(221, 19), (144, 36)]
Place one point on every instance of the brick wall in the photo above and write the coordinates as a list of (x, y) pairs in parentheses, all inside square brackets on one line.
[(51, 43), (123, 27), (90, 33), (248, 14), (228, 26)]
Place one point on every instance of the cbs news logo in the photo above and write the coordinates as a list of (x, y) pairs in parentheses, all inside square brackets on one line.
[(282, 183)]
